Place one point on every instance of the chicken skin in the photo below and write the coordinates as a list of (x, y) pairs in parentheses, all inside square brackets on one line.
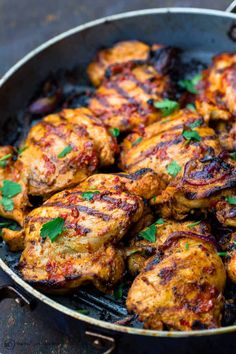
[(230, 260), (163, 143), (181, 287), (204, 183), (96, 218), (217, 98), (226, 212)]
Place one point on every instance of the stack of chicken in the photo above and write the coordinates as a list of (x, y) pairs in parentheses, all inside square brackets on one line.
[(176, 172)]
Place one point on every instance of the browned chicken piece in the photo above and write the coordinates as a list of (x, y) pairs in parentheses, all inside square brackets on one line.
[(141, 249), (181, 287), (143, 182), (64, 149), (230, 259), (226, 211), (121, 52), (125, 99), (217, 97), (13, 172), (204, 182), (95, 220), (217, 94), (163, 147)]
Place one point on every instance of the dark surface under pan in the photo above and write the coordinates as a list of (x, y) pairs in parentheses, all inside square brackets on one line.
[(200, 36)]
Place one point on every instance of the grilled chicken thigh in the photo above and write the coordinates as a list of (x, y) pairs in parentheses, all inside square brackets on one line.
[(226, 211), (181, 286), (97, 214), (120, 53), (217, 98), (60, 151), (205, 182), (141, 249), (11, 171), (162, 145)]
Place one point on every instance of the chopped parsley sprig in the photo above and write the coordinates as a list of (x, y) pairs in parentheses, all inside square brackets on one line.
[(65, 151), (149, 233), (173, 168), (52, 229), (9, 190), (166, 106), (190, 85)]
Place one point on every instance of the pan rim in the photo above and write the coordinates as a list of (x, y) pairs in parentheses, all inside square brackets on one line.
[(40, 296)]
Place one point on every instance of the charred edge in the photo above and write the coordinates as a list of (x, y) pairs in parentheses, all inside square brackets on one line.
[(184, 234), (210, 192), (164, 59)]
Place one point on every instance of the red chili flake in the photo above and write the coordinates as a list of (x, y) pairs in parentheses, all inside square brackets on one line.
[(75, 212)]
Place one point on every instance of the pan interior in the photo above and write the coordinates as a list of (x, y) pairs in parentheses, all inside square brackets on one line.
[(199, 36)]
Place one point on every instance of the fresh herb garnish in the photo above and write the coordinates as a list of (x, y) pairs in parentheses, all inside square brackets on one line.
[(231, 199), (149, 233), (187, 246), (118, 292), (52, 229), (166, 106), (191, 107), (22, 149), (83, 311), (191, 135), (190, 226), (190, 85), (160, 221), (65, 151), (89, 195), (137, 141), (3, 160), (115, 132), (222, 254), (173, 168), (9, 190), (195, 124), (131, 252), (233, 155)]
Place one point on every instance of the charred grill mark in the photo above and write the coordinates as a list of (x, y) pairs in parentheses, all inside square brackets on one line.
[(119, 204), (122, 93), (55, 129), (81, 208), (136, 175)]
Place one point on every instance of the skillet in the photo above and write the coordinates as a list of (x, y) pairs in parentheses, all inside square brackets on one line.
[(200, 34)]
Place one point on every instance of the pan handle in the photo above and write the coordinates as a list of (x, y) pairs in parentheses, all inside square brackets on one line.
[(9, 291), (231, 7)]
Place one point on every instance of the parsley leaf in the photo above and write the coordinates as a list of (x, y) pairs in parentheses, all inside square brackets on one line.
[(173, 168), (89, 195), (118, 292), (149, 233), (191, 135), (7, 204), (166, 106), (52, 229), (191, 107), (12, 225), (65, 151), (231, 200), (190, 85), (137, 141), (115, 132), (160, 221), (187, 246), (190, 226), (222, 254), (233, 155), (196, 123), (3, 160), (10, 189)]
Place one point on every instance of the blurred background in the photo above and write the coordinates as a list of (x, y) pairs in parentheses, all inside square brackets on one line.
[(25, 24)]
